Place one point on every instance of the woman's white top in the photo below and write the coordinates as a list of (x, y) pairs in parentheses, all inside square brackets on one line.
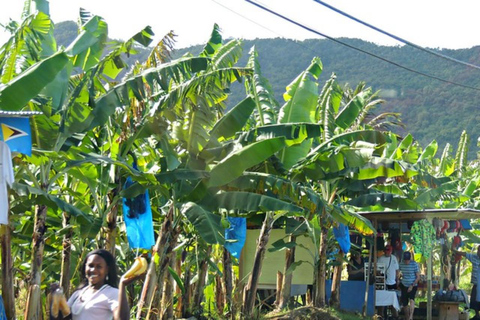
[(99, 306)]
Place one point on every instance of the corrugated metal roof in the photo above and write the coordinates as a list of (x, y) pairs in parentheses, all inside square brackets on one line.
[(4, 113), (448, 214)]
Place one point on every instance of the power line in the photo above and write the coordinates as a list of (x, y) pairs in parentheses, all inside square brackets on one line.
[(396, 37), (358, 49)]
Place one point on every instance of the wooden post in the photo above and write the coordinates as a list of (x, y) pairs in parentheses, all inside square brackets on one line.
[(429, 283), (367, 285), (7, 272)]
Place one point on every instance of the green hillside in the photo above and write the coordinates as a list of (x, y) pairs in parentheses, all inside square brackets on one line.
[(431, 109)]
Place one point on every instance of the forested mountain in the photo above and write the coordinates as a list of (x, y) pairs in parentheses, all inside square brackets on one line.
[(430, 108)]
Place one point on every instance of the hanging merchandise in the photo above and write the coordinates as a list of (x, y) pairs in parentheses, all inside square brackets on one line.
[(343, 238), (137, 214), (466, 224), (423, 237), (236, 235)]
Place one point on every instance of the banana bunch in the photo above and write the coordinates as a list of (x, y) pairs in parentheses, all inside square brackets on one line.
[(139, 267), (59, 303)]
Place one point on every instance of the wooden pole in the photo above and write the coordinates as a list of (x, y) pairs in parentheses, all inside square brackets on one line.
[(429, 283), (7, 272)]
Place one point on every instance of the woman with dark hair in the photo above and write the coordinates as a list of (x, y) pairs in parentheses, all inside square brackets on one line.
[(99, 296)]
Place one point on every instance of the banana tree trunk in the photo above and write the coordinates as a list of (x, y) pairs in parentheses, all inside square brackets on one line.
[(33, 310), (164, 250), (320, 271), (219, 295), (187, 295), (66, 254), (250, 291), (150, 285), (167, 300), (337, 275), (7, 272), (227, 280), (287, 276), (202, 275)]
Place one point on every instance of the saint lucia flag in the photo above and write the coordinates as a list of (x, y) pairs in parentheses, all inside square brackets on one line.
[(15, 131)]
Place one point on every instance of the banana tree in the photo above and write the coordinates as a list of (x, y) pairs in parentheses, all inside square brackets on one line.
[(49, 78)]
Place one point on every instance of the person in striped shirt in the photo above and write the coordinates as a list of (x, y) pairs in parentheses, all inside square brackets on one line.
[(409, 277), (475, 260)]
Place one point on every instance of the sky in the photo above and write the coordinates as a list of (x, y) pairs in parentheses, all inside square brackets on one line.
[(427, 23)]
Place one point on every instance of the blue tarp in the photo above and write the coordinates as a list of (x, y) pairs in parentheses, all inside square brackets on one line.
[(352, 296)]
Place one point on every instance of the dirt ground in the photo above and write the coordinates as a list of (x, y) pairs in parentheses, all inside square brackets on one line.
[(303, 313)]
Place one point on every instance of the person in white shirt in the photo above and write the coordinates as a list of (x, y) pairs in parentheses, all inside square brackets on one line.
[(392, 271), (99, 296)]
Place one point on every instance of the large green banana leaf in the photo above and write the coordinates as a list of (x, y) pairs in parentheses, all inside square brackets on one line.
[(353, 220), (237, 162), (50, 200), (385, 200), (294, 133), (137, 87), (207, 224), (17, 93), (248, 202), (280, 188), (381, 167), (259, 87), (301, 97), (233, 121)]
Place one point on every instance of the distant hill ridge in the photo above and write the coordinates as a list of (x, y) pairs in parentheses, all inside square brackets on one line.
[(430, 109)]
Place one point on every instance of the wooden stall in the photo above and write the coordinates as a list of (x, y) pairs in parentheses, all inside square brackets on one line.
[(414, 215)]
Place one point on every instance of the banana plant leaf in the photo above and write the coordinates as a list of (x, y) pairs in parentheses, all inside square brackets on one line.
[(136, 86), (236, 163), (381, 167), (297, 132), (280, 188), (207, 224), (301, 102), (347, 116), (248, 202), (234, 120), (50, 200), (87, 48), (386, 200), (431, 195), (17, 93), (353, 220)]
